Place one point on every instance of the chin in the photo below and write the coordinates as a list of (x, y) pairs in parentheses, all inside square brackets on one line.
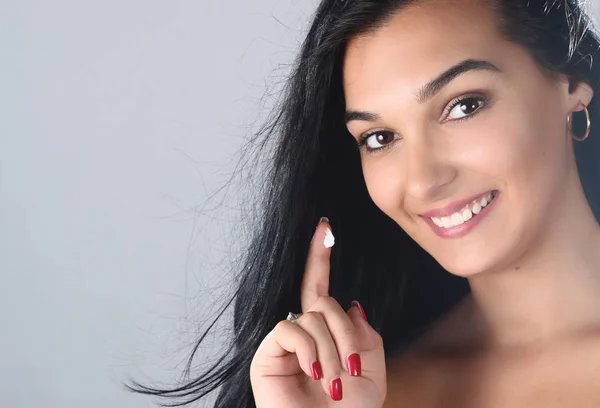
[(464, 271), (467, 265)]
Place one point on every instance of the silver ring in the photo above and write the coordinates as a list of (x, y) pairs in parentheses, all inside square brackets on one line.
[(292, 316)]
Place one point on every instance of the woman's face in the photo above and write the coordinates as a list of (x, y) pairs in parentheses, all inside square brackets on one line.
[(472, 164)]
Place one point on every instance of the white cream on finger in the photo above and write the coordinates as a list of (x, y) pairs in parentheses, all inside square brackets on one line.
[(329, 240)]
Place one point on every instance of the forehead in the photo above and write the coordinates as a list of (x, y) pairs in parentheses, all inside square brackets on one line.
[(419, 42)]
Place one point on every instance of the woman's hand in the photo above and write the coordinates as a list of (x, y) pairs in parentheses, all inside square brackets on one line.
[(327, 357)]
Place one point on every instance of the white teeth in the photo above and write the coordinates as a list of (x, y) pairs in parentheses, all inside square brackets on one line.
[(464, 215), (467, 214), (441, 222), (457, 219), (446, 222)]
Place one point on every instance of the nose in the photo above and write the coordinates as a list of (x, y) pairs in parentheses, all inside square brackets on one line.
[(428, 170)]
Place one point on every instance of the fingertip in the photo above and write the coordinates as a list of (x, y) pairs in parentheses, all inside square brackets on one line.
[(327, 238), (321, 229), (316, 370), (363, 327), (335, 389), (355, 314), (323, 238), (354, 365), (360, 308)]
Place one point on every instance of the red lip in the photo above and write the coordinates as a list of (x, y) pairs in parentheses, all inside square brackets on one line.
[(453, 207)]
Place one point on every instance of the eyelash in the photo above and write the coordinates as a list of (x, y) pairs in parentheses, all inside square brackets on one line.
[(362, 142)]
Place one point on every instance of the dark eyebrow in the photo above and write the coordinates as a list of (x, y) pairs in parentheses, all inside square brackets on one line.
[(435, 86), (432, 88), (358, 115)]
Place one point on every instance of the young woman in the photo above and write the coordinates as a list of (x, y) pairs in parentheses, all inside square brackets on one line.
[(451, 145)]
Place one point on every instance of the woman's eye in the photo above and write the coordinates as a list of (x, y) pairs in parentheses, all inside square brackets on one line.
[(465, 107), (380, 139)]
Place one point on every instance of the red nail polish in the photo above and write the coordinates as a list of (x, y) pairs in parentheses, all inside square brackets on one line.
[(354, 365), (362, 311), (336, 389), (317, 373)]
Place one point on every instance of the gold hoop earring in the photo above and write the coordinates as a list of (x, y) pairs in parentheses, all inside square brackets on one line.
[(589, 125)]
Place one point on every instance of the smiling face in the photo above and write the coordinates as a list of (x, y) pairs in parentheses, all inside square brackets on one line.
[(452, 116)]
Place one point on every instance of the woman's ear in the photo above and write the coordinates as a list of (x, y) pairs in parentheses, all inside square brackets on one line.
[(580, 95)]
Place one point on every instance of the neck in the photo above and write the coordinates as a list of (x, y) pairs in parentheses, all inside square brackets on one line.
[(553, 290)]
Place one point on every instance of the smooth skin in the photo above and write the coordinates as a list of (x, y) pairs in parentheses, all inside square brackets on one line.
[(280, 371)]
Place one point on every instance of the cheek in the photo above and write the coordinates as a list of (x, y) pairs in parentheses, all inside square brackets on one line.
[(532, 145), (525, 149), (383, 185)]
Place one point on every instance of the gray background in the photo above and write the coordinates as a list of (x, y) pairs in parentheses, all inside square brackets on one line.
[(119, 120)]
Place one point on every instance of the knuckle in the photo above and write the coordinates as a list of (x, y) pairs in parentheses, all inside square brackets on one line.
[(281, 327), (325, 302), (328, 300), (378, 339), (346, 341), (348, 333), (312, 318)]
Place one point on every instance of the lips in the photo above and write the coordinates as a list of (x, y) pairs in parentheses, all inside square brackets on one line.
[(465, 214), (462, 222), (455, 206)]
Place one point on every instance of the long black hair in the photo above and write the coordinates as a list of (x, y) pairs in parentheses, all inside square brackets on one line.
[(313, 169)]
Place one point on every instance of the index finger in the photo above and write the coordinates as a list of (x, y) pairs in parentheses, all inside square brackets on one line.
[(315, 282)]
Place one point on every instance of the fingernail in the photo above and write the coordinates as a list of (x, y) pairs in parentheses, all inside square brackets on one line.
[(362, 311), (317, 373), (336, 389), (354, 366), (324, 219)]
